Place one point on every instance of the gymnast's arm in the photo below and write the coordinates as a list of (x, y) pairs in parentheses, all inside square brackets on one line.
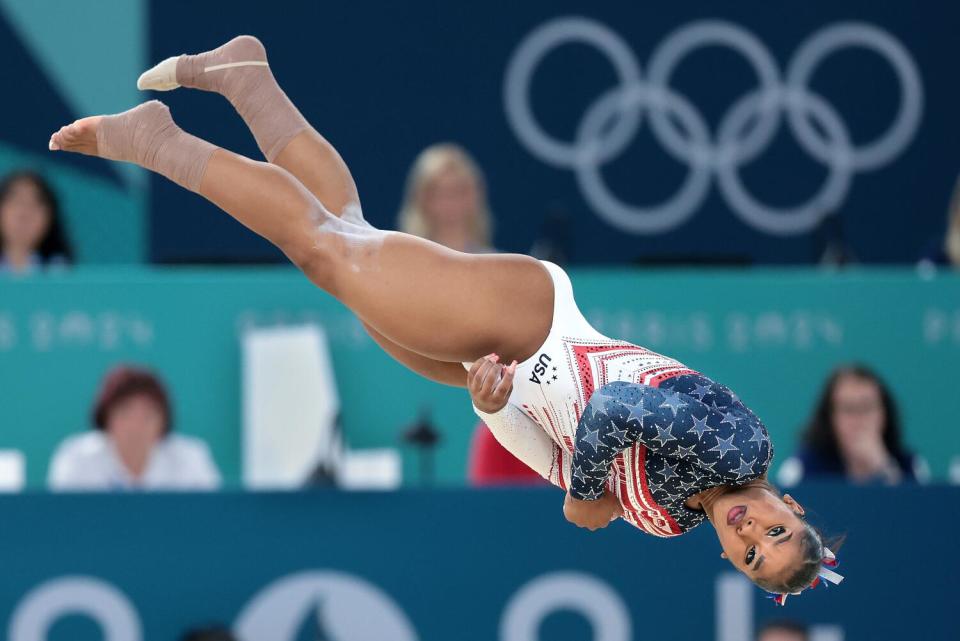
[(620, 415), (490, 385), (523, 438), (708, 392), (672, 423)]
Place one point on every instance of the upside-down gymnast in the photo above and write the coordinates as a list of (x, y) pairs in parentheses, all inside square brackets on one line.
[(625, 431)]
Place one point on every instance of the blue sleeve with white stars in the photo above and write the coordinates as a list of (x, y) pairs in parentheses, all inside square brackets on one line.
[(689, 420)]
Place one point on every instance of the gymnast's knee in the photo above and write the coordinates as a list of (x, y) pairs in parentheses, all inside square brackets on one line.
[(317, 257)]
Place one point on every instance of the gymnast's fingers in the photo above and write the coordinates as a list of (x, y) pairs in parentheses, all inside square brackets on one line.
[(490, 380), (505, 386), (484, 372), (616, 509), (476, 368)]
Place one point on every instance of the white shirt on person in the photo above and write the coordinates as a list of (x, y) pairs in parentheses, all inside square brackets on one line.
[(35, 264), (89, 461)]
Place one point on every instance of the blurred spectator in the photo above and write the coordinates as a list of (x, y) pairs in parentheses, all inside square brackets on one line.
[(131, 445), (946, 252), (834, 245), (212, 633), (784, 630), (854, 433), (446, 200), (31, 234)]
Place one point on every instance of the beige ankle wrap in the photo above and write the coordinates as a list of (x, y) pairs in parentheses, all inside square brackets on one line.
[(238, 71), (148, 136)]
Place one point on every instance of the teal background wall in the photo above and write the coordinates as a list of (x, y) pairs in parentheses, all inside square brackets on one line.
[(453, 563), (770, 335)]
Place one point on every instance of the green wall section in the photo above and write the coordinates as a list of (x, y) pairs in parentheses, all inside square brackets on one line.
[(770, 335)]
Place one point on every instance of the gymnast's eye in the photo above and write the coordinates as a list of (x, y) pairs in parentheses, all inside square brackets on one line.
[(776, 531), (751, 553)]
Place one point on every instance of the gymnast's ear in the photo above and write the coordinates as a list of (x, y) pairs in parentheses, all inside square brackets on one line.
[(792, 502)]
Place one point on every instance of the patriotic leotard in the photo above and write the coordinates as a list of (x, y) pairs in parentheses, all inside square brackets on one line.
[(637, 423)]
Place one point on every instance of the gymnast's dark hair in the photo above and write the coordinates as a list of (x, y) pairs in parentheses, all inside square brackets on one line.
[(801, 576), (820, 435), (54, 244), (812, 553)]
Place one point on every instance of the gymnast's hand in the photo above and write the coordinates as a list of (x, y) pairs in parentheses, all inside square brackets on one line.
[(592, 515), (490, 383)]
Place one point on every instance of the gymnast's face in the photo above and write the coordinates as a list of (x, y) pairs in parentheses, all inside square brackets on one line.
[(759, 532)]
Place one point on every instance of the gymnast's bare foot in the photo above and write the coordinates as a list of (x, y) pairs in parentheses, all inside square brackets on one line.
[(136, 135), (145, 135), (79, 137)]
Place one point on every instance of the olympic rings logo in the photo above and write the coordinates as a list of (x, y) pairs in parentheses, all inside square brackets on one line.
[(743, 134)]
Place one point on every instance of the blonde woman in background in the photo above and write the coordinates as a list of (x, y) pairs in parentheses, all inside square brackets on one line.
[(446, 200), (946, 253), (951, 245)]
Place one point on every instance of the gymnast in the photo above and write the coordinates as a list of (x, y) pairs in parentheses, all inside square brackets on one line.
[(628, 433)]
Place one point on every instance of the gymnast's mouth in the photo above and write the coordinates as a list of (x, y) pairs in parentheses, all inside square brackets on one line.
[(736, 514)]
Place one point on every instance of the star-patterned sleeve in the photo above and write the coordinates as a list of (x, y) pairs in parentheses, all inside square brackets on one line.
[(688, 419)]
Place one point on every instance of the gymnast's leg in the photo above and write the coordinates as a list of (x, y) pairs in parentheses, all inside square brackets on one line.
[(443, 304), (238, 70)]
